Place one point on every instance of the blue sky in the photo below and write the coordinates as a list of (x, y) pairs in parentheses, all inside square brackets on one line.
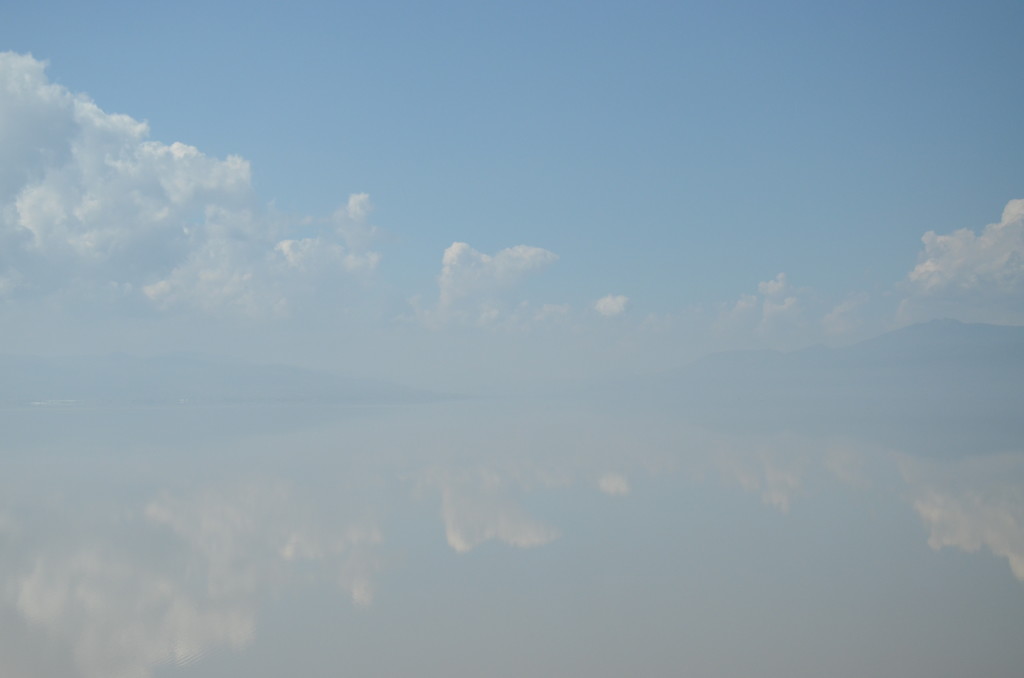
[(679, 155)]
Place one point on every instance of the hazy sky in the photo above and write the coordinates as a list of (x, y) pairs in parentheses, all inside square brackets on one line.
[(548, 188)]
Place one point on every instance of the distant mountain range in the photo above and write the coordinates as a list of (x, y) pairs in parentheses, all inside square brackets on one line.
[(942, 387), (952, 386), (181, 379)]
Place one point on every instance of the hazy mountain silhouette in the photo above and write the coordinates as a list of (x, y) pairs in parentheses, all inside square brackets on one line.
[(944, 387), (181, 379)]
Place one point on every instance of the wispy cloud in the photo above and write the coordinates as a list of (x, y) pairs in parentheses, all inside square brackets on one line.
[(614, 484)]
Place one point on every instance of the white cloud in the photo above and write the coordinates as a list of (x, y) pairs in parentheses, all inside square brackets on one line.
[(319, 255), (774, 314), (971, 276), (774, 298), (614, 484), (351, 222), (777, 298), (773, 288), (965, 260), (472, 285), (611, 305), (307, 252), (466, 272), (88, 201), (358, 206)]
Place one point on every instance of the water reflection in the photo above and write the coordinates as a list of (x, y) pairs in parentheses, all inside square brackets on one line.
[(120, 558), (477, 506), (972, 503)]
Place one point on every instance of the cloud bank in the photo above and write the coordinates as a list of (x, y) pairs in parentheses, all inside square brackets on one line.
[(97, 216), (91, 208)]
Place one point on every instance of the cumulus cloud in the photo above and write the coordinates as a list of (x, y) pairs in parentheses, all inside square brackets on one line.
[(320, 255), (774, 298), (465, 271), (773, 313), (773, 288), (351, 221), (966, 260), (89, 201), (969, 275), (777, 298), (358, 207), (472, 285), (611, 305)]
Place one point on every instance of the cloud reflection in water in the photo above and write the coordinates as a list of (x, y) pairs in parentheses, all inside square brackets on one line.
[(187, 557)]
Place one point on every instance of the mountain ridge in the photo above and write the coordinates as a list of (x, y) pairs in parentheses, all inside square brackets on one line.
[(181, 379), (947, 384)]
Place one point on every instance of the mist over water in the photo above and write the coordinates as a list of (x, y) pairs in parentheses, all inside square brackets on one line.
[(592, 535)]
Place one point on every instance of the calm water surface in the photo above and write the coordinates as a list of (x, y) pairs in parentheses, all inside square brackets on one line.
[(498, 538)]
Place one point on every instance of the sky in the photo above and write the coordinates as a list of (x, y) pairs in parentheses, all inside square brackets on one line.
[(459, 195)]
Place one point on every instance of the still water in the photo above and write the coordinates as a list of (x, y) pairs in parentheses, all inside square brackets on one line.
[(496, 538)]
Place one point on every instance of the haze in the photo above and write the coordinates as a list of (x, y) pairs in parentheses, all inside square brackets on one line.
[(547, 339)]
